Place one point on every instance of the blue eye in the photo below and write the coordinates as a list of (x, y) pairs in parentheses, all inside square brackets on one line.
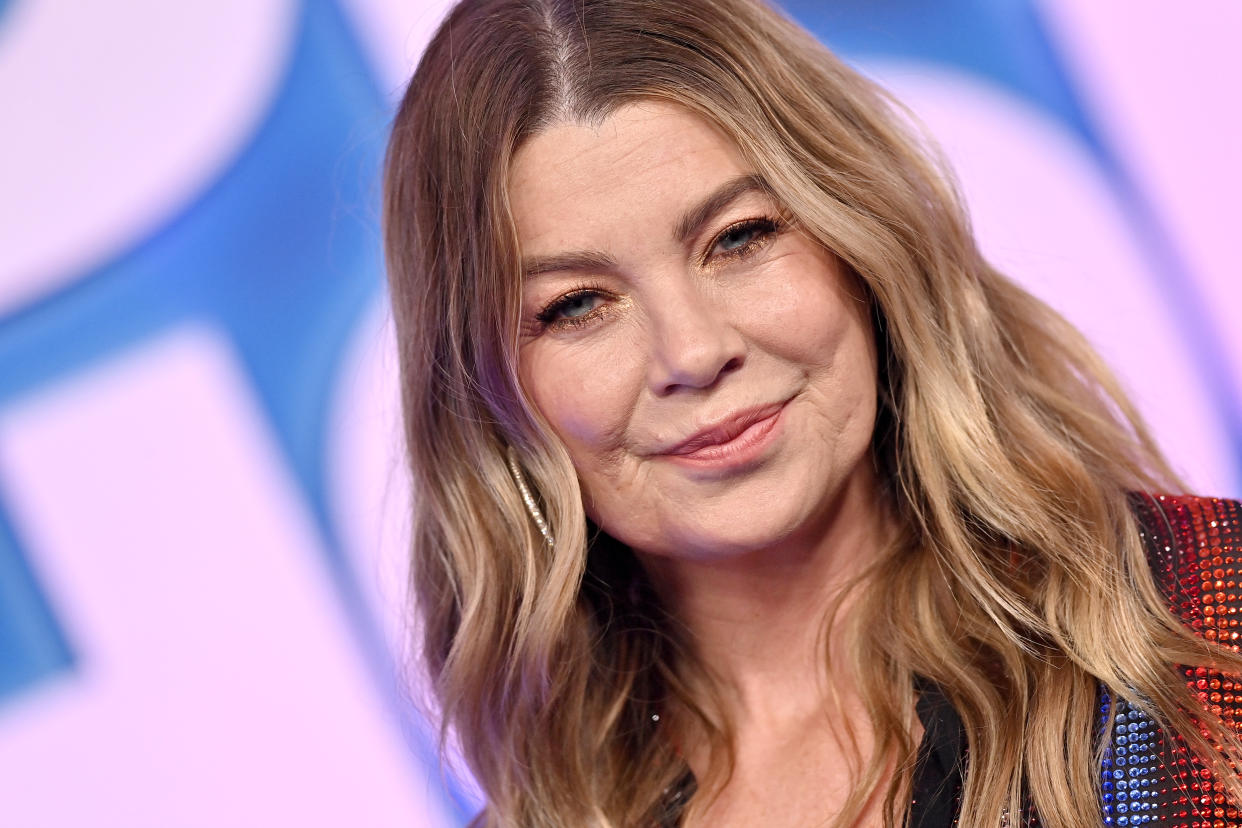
[(734, 239), (571, 308), (743, 237), (579, 304)]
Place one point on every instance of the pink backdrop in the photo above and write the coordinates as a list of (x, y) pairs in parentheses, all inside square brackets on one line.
[(201, 523)]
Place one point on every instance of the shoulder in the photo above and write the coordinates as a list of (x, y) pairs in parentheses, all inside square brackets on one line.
[(1194, 546)]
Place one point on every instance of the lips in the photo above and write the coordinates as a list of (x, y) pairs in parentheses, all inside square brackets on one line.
[(746, 426)]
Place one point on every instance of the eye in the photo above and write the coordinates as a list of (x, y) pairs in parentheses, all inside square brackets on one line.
[(571, 308), (741, 238)]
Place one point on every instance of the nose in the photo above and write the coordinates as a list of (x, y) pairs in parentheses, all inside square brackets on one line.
[(695, 344)]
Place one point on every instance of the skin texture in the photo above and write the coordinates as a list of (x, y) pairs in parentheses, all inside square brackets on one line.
[(663, 336)]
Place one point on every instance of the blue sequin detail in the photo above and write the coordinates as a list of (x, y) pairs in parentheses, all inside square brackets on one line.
[(1129, 777)]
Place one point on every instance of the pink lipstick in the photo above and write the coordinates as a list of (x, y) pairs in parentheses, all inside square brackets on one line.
[(733, 442)]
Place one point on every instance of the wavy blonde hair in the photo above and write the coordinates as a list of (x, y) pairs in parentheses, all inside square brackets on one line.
[(1006, 448)]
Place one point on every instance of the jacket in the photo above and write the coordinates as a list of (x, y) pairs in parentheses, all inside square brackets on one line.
[(1147, 776), (1193, 545)]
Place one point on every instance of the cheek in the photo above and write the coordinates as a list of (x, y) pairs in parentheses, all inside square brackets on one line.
[(801, 310), (586, 391)]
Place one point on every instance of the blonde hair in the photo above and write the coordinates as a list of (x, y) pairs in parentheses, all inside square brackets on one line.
[(1006, 448)]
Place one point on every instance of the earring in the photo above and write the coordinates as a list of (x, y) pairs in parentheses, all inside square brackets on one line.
[(528, 498)]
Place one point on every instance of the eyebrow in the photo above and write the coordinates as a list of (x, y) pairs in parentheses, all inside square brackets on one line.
[(697, 216), (688, 226), (581, 260)]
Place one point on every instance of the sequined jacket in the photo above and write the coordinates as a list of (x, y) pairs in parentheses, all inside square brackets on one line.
[(1147, 776), (1194, 546)]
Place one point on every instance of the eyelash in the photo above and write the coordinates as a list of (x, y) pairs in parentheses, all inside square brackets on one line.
[(763, 227), (547, 318)]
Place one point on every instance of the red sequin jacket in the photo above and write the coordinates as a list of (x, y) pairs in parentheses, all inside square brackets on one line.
[(1147, 777), (1194, 545)]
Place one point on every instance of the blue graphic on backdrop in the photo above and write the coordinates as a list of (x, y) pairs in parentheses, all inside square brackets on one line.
[(32, 644), (281, 255), (267, 254)]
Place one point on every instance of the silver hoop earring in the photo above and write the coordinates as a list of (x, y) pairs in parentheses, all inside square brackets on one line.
[(532, 508)]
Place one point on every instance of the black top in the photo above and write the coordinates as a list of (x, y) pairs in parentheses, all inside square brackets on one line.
[(937, 774), (941, 759)]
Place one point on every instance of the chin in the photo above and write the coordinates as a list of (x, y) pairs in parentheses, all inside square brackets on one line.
[(740, 534), (782, 508)]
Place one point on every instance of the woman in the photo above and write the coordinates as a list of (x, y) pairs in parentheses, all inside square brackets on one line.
[(747, 493)]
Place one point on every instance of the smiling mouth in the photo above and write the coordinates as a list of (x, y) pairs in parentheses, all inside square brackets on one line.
[(734, 441)]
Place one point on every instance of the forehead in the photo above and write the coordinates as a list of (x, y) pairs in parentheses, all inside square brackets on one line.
[(643, 161)]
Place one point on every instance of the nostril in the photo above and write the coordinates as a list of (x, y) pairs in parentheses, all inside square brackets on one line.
[(694, 352), (703, 381)]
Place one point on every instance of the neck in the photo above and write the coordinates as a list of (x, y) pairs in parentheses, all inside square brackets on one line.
[(756, 619)]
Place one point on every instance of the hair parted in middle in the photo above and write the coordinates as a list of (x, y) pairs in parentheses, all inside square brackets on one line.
[(1016, 580)]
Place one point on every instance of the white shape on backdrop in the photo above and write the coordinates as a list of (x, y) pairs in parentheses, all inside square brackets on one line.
[(217, 682), (394, 34), (369, 492), (1162, 83), (368, 486), (115, 116), (1044, 215)]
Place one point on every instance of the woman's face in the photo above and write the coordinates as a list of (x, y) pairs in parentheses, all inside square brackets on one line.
[(710, 369)]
